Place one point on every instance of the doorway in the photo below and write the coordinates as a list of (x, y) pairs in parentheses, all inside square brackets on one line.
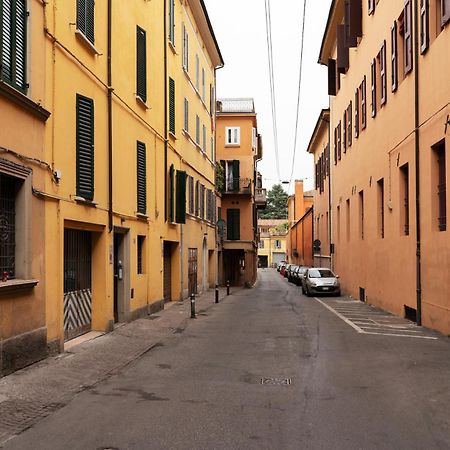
[(192, 271), (121, 276), (167, 269), (205, 266)]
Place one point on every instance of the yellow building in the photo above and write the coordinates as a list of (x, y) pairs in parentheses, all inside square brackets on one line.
[(23, 174), (132, 215), (388, 66), (272, 242), (239, 148)]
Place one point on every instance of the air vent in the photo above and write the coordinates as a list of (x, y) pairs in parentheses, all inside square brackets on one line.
[(410, 314)]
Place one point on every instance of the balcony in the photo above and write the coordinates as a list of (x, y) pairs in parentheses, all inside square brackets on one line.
[(260, 198), (237, 186)]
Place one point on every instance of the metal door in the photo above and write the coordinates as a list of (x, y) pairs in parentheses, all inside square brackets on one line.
[(192, 271), (77, 283), (167, 272)]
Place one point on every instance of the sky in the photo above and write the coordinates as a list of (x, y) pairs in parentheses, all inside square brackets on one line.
[(240, 28)]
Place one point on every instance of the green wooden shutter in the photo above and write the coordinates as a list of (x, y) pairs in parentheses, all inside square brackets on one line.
[(181, 197), (172, 105), (85, 147), (81, 15), (85, 18), (141, 178), (141, 63), (233, 224), (236, 175), (171, 193)]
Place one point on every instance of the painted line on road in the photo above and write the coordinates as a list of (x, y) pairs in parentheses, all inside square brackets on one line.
[(348, 322)]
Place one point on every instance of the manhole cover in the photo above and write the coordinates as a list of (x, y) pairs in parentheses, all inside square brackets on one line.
[(276, 381)]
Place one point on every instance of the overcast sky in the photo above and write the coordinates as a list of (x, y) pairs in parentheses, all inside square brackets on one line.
[(240, 29)]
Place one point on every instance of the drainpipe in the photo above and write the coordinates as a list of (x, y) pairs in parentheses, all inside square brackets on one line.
[(417, 164), (329, 188), (166, 212), (110, 124)]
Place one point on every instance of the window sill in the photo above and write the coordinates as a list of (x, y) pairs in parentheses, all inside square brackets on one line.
[(86, 42), (141, 216), (232, 145), (86, 202), (172, 47), (16, 286), (142, 103), (172, 135), (23, 101)]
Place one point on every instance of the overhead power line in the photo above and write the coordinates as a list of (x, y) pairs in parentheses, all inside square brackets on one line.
[(272, 84), (299, 93)]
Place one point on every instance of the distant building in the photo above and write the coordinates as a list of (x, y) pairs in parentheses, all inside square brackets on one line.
[(239, 148), (272, 242)]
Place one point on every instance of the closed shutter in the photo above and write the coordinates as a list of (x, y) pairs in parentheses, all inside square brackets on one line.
[(172, 105), (350, 39), (424, 25), (172, 21), (349, 124), (373, 72), (339, 140), (141, 178), (356, 18), (171, 193), (186, 115), (363, 104), (445, 11), (344, 132), (197, 198), (383, 77), (233, 224), (197, 130), (394, 64), (357, 113), (335, 146), (85, 147), (408, 62), (332, 77), (236, 175), (20, 44), (342, 50), (181, 197), (141, 64), (371, 6), (85, 18), (191, 195)]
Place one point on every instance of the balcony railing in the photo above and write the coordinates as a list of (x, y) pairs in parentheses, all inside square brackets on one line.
[(238, 186), (261, 197)]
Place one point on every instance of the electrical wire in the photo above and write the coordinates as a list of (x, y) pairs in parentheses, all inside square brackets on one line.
[(272, 84), (299, 94)]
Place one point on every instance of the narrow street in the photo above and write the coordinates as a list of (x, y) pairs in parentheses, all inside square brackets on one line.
[(267, 368)]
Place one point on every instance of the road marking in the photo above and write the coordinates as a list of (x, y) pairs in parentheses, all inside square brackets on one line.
[(382, 324)]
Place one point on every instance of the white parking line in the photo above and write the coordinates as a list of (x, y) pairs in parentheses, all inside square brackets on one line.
[(374, 327)]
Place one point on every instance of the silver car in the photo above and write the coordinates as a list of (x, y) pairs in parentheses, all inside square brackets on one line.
[(320, 280)]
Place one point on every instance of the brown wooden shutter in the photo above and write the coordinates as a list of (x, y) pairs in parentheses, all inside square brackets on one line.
[(383, 86), (357, 113), (339, 140), (332, 77), (344, 132), (445, 11), (371, 6), (408, 55), (356, 18), (373, 71), (335, 147), (394, 63), (363, 104), (349, 124), (342, 50), (350, 39), (424, 25)]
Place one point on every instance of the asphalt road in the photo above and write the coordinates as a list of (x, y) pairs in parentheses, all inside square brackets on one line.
[(266, 369)]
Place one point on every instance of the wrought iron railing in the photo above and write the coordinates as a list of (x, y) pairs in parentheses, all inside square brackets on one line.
[(237, 186)]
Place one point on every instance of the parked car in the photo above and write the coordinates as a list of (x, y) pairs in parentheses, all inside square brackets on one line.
[(280, 264), (299, 275), (284, 271), (290, 275), (282, 268), (320, 280)]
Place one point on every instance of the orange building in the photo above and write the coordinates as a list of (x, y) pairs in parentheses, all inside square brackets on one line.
[(239, 148), (300, 226), (388, 65)]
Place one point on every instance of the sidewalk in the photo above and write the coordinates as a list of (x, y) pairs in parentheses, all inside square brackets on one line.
[(29, 395)]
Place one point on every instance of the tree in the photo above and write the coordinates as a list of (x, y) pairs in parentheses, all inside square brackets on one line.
[(276, 204)]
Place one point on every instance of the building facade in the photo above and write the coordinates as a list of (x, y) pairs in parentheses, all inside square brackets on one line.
[(388, 65), (23, 175), (239, 148), (272, 242), (300, 226)]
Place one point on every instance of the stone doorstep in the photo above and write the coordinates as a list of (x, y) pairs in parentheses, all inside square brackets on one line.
[(81, 339)]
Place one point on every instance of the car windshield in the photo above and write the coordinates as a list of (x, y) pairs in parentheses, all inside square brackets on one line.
[(320, 273), (302, 269)]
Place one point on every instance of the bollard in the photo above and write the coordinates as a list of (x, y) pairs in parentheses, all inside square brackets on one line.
[(192, 306), (217, 293), (228, 287)]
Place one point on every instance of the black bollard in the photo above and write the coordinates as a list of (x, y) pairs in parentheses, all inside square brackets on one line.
[(192, 306), (228, 287), (217, 293)]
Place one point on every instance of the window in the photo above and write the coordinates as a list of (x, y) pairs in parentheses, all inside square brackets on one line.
[(232, 135), (13, 38), (197, 198), (8, 189), (339, 140), (394, 61), (361, 214), (383, 81), (233, 224), (141, 178), (371, 6), (171, 196), (186, 115), (342, 50), (261, 244), (445, 12), (424, 26), (439, 152), (363, 104), (338, 217), (335, 146), (332, 82), (254, 139), (85, 18), (141, 64), (349, 125), (373, 72), (185, 58), (180, 212), (348, 219), (204, 139), (197, 130), (351, 39), (191, 195), (277, 244), (404, 199), (407, 37), (357, 113), (203, 85), (212, 100), (140, 254), (197, 73), (171, 21), (344, 132), (232, 177), (380, 186), (202, 201), (85, 147), (171, 106)]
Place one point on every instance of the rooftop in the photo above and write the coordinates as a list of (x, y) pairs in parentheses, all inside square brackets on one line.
[(236, 105)]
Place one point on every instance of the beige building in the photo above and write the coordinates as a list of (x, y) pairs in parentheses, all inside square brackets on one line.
[(239, 148), (272, 242), (388, 65)]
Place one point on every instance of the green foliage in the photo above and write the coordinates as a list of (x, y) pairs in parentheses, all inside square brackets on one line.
[(282, 228), (276, 204), (220, 178)]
